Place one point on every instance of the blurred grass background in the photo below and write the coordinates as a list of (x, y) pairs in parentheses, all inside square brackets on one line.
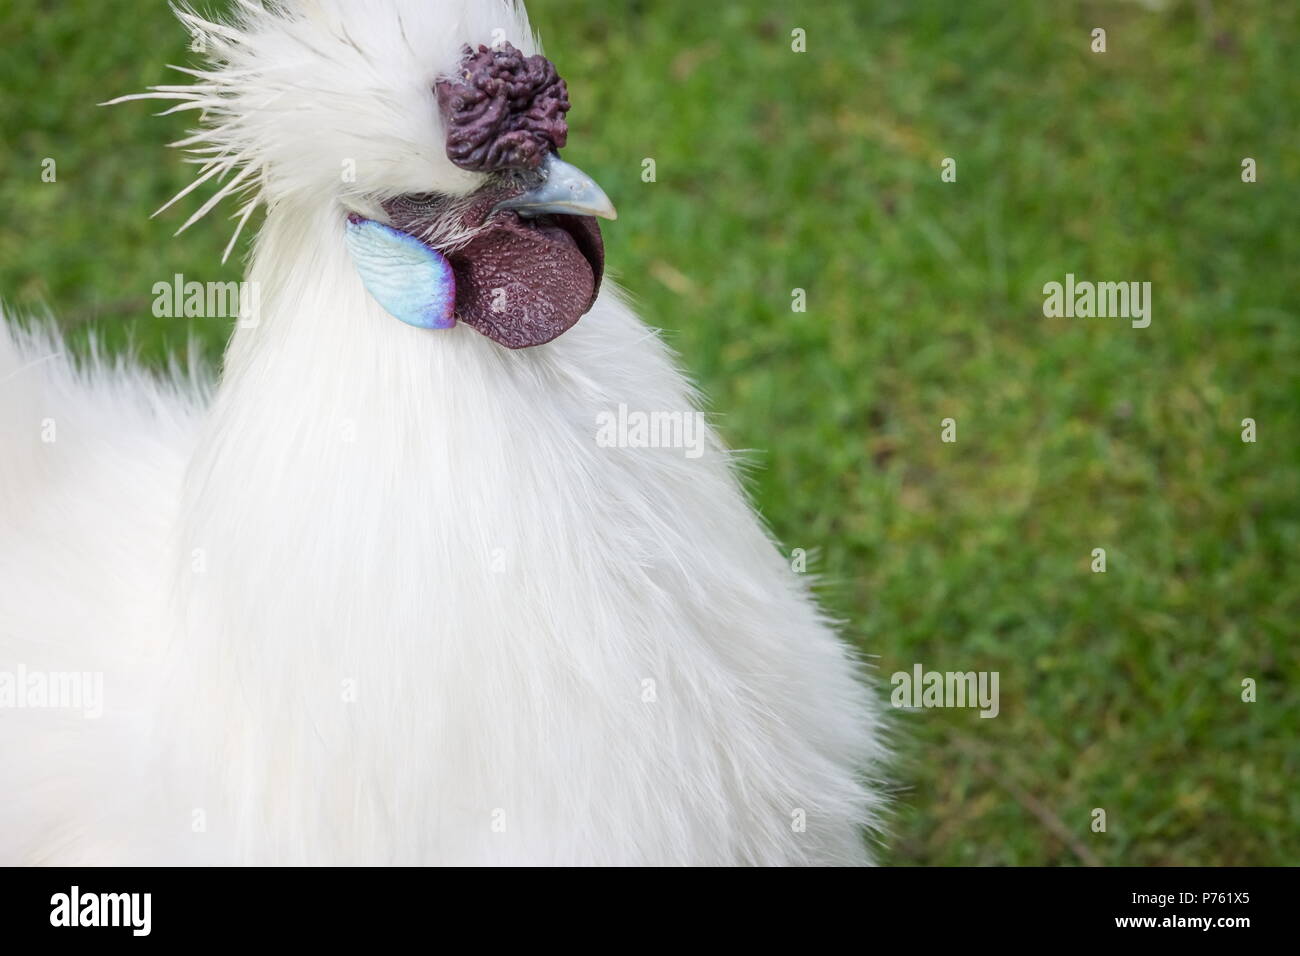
[(779, 170)]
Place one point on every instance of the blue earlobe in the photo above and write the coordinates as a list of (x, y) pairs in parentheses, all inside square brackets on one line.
[(411, 281)]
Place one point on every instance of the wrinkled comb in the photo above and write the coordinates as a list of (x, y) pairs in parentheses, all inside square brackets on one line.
[(503, 110)]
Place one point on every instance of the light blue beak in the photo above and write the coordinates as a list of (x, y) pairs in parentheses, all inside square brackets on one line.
[(564, 189)]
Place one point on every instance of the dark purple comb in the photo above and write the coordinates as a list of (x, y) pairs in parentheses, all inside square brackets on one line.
[(503, 110)]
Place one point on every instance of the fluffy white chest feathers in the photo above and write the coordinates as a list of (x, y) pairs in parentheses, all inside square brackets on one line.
[(436, 620)]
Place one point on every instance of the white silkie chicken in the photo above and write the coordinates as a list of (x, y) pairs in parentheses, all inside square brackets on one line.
[(383, 597)]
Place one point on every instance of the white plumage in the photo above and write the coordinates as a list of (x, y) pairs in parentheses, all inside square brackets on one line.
[(383, 598)]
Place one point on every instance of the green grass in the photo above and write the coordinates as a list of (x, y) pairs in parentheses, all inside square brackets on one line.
[(778, 170)]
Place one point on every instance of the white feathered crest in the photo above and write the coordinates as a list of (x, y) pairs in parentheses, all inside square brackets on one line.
[(325, 98)]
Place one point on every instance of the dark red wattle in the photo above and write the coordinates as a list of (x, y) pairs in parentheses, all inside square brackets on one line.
[(523, 283), (548, 270)]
